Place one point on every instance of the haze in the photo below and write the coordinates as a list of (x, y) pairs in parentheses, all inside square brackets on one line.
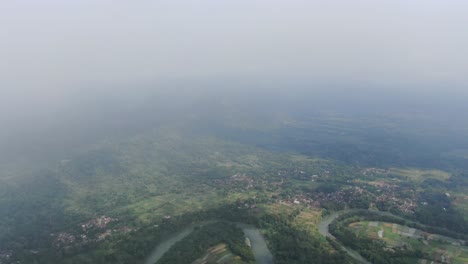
[(67, 64), (245, 131)]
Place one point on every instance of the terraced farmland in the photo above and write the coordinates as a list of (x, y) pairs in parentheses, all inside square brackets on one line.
[(219, 254), (434, 247)]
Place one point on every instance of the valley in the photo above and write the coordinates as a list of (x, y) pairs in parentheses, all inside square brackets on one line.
[(118, 200)]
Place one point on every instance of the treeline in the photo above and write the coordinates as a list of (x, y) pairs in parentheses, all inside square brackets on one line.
[(196, 244), (292, 245), (30, 211), (374, 250), (366, 215), (134, 247), (371, 249), (437, 210)]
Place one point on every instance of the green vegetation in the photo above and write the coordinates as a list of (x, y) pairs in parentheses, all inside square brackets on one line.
[(372, 249), (197, 243), (220, 254), (140, 184), (384, 238), (433, 247), (437, 210), (114, 202), (294, 241), (419, 175)]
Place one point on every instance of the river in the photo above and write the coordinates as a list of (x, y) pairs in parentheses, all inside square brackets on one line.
[(324, 224), (323, 229), (259, 247), (165, 245)]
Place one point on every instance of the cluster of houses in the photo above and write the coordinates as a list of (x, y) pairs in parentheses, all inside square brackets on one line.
[(109, 232), (385, 191), (316, 200), (236, 180), (338, 197), (389, 193), (374, 171), (64, 239), (300, 200), (103, 235), (100, 222)]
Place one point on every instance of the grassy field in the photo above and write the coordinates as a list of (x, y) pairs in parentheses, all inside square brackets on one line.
[(419, 175), (435, 247)]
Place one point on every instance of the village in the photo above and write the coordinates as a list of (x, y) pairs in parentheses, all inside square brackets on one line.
[(94, 230), (376, 192), (390, 194), (321, 199), (356, 193), (237, 180)]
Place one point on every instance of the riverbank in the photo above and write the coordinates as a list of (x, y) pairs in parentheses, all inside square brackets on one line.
[(323, 228), (258, 244), (326, 221)]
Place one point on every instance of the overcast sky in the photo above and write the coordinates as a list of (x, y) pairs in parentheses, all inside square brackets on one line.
[(86, 40), (50, 49)]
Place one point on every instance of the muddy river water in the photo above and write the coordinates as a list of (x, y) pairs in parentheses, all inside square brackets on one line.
[(259, 247)]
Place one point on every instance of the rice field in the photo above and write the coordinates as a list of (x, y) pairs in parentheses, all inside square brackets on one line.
[(435, 247)]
